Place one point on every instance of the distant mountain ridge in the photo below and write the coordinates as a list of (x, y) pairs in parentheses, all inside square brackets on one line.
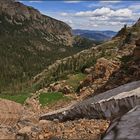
[(95, 35)]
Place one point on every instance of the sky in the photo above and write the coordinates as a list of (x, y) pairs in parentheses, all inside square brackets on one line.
[(90, 14)]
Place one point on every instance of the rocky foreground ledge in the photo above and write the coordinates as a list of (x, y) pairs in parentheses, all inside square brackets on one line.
[(108, 105), (125, 128)]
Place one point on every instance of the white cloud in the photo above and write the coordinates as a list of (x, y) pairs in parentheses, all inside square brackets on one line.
[(104, 18), (101, 18), (91, 24), (135, 7), (122, 13), (71, 1), (64, 14), (113, 1), (68, 21), (116, 23), (106, 12), (103, 3)]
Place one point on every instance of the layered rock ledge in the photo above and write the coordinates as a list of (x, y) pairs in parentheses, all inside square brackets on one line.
[(125, 128), (109, 105)]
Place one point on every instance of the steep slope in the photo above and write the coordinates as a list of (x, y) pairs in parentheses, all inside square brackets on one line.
[(118, 50), (29, 20), (74, 63), (29, 42), (111, 72)]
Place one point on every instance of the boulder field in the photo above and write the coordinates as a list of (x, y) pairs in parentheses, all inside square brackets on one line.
[(118, 108)]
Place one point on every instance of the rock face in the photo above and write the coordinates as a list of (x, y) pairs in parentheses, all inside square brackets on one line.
[(18, 13), (101, 72), (104, 68), (127, 127), (107, 105), (121, 45)]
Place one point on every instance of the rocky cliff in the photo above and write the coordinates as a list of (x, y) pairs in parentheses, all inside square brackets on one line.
[(30, 20)]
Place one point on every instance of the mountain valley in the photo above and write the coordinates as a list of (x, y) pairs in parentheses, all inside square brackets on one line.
[(29, 41), (60, 83)]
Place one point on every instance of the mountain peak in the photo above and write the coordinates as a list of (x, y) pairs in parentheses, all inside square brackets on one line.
[(18, 13)]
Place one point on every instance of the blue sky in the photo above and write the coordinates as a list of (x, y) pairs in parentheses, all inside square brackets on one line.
[(91, 15)]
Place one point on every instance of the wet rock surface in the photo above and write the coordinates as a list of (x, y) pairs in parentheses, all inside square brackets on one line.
[(126, 127)]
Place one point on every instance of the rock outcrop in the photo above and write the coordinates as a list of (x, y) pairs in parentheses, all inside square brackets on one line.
[(104, 68), (99, 74), (109, 105), (126, 127), (60, 86)]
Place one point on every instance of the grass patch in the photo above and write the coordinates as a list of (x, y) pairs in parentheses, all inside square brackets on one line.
[(20, 98), (74, 80), (51, 97)]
